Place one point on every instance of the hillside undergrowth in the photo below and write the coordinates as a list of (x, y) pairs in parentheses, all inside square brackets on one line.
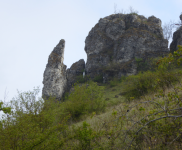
[(142, 111)]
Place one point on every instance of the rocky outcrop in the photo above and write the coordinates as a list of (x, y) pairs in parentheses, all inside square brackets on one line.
[(114, 47), (177, 40), (75, 71), (116, 41), (55, 81)]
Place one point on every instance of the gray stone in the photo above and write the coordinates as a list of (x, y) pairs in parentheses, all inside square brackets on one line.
[(55, 81), (116, 40), (177, 40), (73, 72), (113, 45)]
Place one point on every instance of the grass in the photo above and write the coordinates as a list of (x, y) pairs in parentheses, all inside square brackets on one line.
[(120, 104), (97, 121)]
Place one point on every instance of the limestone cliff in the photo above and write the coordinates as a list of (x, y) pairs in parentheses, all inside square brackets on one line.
[(115, 41)]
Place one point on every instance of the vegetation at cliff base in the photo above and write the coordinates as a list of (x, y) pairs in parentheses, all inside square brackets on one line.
[(142, 111)]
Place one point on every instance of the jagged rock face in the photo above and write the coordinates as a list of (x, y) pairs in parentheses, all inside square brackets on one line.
[(115, 41), (55, 73), (177, 40), (74, 71)]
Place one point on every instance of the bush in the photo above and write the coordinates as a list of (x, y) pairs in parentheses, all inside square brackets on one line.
[(85, 99), (32, 124), (144, 83), (137, 85), (122, 78), (81, 79), (84, 135), (114, 82), (98, 79)]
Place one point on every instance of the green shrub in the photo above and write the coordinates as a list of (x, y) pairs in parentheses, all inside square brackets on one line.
[(144, 83), (133, 13), (84, 135), (98, 78), (32, 124), (4, 109), (137, 85), (85, 99), (165, 74), (113, 82), (146, 64), (122, 78), (81, 79)]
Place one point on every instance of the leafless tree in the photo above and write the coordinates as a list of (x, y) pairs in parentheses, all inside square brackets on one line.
[(131, 10), (118, 11), (168, 30)]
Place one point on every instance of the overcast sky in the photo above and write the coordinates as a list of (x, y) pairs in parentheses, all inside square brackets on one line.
[(30, 29)]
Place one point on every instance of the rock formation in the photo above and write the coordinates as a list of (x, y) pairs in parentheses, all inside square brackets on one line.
[(113, 47), (76, 70), (117, 40), (177, 40), (55, 81)]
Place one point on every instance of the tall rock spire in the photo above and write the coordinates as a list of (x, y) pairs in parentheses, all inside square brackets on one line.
[(55, 73)]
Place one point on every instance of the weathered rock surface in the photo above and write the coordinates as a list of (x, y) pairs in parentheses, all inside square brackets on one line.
[(75, 70), (55, 81), (115, 42), (177, 40)]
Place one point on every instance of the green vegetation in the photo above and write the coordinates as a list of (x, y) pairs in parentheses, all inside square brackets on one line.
[(133, 13), (98, 79), (140, 111), (81, 79), (4, 109), (85, 99)]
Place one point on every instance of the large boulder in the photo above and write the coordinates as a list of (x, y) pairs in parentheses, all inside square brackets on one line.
[(177, 40), (116, 41), (55, 81)]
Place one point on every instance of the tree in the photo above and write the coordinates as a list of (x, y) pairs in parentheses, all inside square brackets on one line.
[(33, 124), (167, 30), (131, 10), (4, 109)]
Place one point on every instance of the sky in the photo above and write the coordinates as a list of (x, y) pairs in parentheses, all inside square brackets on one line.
[(30, 29)]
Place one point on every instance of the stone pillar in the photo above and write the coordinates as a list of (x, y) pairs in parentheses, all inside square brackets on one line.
[(55, 73)]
